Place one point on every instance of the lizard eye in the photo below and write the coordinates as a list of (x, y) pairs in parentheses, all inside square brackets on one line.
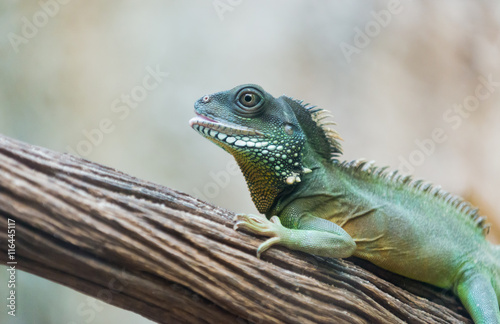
[(249, 101)]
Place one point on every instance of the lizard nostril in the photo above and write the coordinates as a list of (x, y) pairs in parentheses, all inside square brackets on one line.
[(205, 99)]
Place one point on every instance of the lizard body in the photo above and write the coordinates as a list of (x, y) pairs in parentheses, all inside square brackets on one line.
[(317, 204)]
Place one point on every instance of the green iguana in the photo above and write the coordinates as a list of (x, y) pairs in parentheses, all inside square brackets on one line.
[(320, 205)]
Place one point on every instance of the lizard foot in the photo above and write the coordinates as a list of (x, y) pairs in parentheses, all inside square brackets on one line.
[(260, 225)]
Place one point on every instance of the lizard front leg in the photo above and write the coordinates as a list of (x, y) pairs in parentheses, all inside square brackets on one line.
[(311, 234)]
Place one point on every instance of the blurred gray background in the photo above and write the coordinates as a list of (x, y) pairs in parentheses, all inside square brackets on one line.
[(412, 84)]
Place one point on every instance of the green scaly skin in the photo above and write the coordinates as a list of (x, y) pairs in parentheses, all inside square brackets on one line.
[(317, 204)]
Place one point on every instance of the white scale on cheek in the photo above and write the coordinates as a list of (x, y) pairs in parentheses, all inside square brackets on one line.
[(230, 140), (221, 136)]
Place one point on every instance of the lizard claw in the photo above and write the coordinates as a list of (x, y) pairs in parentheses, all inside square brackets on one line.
[(245, 216), (260, 225), (254, 223)]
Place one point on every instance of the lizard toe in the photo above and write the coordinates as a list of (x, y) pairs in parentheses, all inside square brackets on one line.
[(257, 224), (267, 244)]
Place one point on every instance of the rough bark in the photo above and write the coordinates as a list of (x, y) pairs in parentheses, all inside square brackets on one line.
[(172, 258)]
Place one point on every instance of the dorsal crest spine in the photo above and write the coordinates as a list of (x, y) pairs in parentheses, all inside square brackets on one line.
[(317, 125), (394, 177)]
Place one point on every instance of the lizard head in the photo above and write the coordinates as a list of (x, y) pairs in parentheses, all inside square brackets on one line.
[(263, 133)]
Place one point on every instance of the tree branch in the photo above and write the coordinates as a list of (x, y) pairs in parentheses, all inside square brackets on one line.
[(172, 258)]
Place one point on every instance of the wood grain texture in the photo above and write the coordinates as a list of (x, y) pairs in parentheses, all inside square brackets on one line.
[(174, 259)]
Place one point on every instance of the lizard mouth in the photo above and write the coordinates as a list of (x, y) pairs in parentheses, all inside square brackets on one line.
[(225, 132)]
